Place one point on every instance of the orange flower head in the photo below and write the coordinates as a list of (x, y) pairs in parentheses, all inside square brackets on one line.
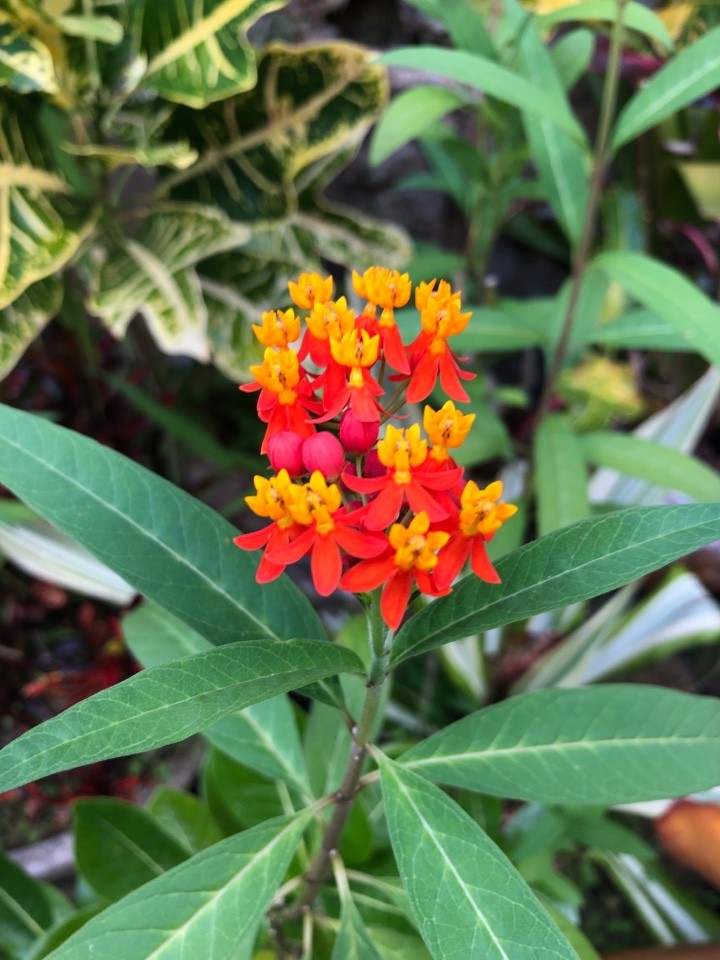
[(382, 287), (401, 450), (274, 498), (426, 292), (331, 319), (279, 328), (279, 373), (480, 512), (447, 428), (415, 547), (310, 289), (316, 503), (356, 349), (441, 317)]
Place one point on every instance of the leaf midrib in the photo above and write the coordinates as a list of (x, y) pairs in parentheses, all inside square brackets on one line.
[(147, 535), (566, 748)]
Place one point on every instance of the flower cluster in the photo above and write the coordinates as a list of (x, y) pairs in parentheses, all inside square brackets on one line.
[(371, 510)]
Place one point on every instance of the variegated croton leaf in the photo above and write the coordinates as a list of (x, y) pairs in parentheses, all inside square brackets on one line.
[(153, 274), (302, 122), (23, 319), (26, 64), (196, 49), (42, 223)]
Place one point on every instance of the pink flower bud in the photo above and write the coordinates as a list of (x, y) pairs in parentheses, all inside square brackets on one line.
[(285, 452), (324, 452), (372, 467), (357, 436)]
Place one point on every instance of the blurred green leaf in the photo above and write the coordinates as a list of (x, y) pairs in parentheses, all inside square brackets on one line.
[(572, 53), (636, 17), (560, 475), (685, 78), (25, 910), (408, 116), (185, 817), (23, 319)]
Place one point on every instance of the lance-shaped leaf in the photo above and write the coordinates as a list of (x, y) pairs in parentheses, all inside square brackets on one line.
[(207, 907), (483, 74), (41, 223), (23, 319), (154, 274), (615, 743), (353, 940), (168, 703), (561, 161), (687, 77), (162, 541), (561, 475), (25, 907), (119, 847), (308, 102), (467, 898), (669, 294), (582, 561), (25, 63), (197, 52)]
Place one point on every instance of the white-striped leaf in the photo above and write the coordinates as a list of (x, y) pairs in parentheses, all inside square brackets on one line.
[(23, 319), (154, 274), (25, 63)]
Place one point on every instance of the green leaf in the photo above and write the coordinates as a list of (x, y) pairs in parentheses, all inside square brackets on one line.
[(576, 563), (636, 17), (154, 274), (560, 478), (688, 76), (168, 703), (327, 745), (168, 545), (482, 74), (467, 898), (353, 940), (185, 817), (41, 223), (23, 319), (119, 847), (103, 29), (572, 54), (238, 797), (668, 294), (265, 738), (466, 26), (651, 461), (614, 743), (60, 931), (561, 161), (408, 116), (155, 636), (640, 329), (25, 909), (26, 64), (206, 907), (197, 52)]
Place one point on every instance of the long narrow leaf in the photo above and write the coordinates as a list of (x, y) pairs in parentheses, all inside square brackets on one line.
[(207, 907), (482, 74), (607, 744), (162, 541), (576, 563), (467, 898), (167, 703), (561, 477), (684, 79)]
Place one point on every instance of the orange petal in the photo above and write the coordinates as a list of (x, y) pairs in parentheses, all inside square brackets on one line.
[(690, 832), (395, 597)]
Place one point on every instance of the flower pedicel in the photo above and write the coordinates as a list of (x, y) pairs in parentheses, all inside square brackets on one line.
[(396, 511)]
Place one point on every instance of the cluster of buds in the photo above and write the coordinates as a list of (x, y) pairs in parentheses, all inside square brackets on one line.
[(371, 510)]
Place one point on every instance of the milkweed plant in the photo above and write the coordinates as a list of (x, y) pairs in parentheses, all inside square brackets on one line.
[(370, 845)]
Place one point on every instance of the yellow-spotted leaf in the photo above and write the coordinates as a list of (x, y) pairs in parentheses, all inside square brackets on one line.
[(25, 64), (154, 274), (196, 49), (24, 318), (41, 223)]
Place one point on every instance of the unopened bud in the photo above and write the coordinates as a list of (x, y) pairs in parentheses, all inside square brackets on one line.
[(357, 436), (285, 452), (324, 452)]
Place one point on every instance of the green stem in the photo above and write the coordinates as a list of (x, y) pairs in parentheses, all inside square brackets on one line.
[(600, 163), (344, 798)]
